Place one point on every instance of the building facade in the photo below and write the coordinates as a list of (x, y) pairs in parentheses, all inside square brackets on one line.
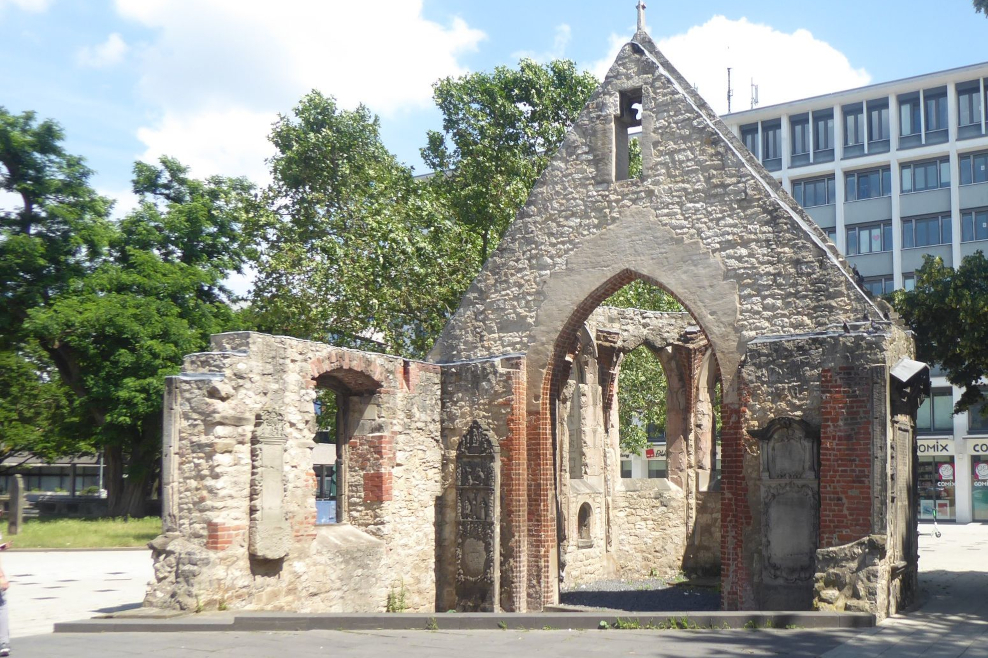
[(892, 172)]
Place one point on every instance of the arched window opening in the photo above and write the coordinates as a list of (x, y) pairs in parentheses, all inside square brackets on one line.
[(326, 456), (584, 521)]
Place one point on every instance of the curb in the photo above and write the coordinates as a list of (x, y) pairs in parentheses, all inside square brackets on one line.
[(69, 549), (282, 621)]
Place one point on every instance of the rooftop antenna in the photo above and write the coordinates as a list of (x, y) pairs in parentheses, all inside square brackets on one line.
[(754, 94), (730, 92), (641, 15)]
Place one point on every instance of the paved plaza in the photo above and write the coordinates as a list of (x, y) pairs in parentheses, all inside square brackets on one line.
[(57, 586)]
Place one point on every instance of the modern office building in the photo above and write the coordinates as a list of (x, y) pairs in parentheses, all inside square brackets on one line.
[(891, 172)]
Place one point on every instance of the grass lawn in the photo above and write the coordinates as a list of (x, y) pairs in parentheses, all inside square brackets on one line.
[(83, 533)]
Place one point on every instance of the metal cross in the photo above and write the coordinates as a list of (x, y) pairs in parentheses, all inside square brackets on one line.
[(641, 15)]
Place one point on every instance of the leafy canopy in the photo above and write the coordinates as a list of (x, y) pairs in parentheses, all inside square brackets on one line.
[(500, 130), (352, 249), (948, 311)]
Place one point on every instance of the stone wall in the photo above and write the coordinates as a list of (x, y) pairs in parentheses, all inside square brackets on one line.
[(650, 534), (256, 393)]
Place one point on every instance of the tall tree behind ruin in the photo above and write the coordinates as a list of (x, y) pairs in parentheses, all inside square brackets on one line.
[(111, 307), (499, 131), (351, 249), (948, 311)]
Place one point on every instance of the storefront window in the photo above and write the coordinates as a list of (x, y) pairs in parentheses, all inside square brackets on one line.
[(936, 488), (979, 487), (656, 468)]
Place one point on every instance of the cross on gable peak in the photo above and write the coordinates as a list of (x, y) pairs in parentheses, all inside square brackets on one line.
[(641, 15)]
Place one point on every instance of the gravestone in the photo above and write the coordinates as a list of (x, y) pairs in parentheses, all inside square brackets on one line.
[(477, 554), (790, 460), (15, 511)]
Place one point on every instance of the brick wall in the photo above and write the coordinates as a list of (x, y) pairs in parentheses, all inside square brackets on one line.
[(845, 455)]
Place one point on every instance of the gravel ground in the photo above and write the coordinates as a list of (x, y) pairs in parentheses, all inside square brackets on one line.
[(648, 595)]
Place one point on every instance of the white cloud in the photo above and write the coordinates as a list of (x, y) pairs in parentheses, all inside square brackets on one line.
[(558, 50), (230, 141), (219, 71), (784, 66), (26, 5), (108, 53)]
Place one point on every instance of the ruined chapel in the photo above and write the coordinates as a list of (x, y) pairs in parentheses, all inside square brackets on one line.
[(487, 475)]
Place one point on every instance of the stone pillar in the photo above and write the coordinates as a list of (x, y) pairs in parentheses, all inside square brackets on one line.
[(478, 515), (16, 510), (270, 534), (169, 456)]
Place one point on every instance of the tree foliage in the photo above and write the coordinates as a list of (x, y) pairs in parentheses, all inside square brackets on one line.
[(500, 130), (642, 384), (111, 308), (353, 250), (982, 6), (948, 311)]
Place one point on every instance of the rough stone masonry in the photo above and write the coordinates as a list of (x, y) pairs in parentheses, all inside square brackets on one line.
[(483, 478)]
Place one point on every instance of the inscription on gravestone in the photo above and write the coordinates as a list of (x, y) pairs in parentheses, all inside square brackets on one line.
[(477, 556)]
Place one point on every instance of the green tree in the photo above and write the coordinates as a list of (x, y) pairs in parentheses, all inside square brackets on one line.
[(642, 384), (948, 311), (352, 249), (982, 6), (499, 132), (112, 308), (38, 415)]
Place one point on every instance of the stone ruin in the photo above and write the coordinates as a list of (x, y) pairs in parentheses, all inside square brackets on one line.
[(484, 477)]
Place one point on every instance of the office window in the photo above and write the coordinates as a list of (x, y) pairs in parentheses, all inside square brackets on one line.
[(868, 184), (878, 120), (823, 130), (832, 234), (869, 239), (974, 225), (926, 231), (625, 468), (879, 285), (977, 421), (771, 140), (853, 125), (910, 122), (800, 134), (909, 282), (749, 135), (656, 468), (927, 175), (815, 192), (936, 414), (973, 168), (936, 110), (969, 103)]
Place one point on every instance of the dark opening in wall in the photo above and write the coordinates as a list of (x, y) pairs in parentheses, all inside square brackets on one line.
[(629, 120), (583, 520)]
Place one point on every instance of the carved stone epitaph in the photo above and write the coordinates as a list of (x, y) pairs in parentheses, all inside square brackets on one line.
[(477, 555), (269, 535), (790, 456)]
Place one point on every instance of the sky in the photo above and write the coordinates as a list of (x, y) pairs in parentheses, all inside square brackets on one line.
[(203, 80)]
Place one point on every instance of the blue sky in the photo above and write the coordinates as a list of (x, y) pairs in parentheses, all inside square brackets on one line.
[(203, 79)]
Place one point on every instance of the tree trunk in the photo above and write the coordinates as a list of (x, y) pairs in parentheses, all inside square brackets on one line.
[(128, 496)]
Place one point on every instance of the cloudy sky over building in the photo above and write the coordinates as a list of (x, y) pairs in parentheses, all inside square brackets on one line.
[(203, 80)]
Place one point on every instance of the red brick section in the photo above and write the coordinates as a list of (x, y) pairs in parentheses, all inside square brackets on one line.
[(735, 512), (845, 455), (220, 535), (541, 489), (514, 491), (373, 457)]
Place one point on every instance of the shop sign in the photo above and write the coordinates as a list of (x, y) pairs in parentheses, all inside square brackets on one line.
[(978, 447), (656, 451), (935, 447), (946, 472)]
